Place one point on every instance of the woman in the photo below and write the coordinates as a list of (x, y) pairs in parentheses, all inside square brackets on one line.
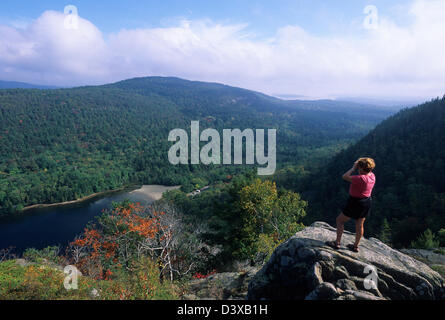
[(359, 203)]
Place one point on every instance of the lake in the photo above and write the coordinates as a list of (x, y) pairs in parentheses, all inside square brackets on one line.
[(43, 227)]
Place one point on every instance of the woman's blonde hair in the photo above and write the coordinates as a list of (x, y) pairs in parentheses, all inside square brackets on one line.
[(366, 164)]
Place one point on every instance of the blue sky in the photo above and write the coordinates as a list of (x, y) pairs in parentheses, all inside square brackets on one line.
[(313, 49), (323, 17)]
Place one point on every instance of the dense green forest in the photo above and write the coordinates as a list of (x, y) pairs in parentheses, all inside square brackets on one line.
[(409, 196), (58, 145), (63, 144), (246, 218)]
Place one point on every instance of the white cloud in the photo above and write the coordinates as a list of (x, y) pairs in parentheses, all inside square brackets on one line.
[(48, 52), (392, 61)]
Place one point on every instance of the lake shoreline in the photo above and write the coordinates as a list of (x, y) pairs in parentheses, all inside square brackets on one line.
[(154, 192), (57, 224), (66, 203), (144, 189)]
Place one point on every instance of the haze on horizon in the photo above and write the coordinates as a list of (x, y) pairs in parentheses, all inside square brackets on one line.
[(289, 49)]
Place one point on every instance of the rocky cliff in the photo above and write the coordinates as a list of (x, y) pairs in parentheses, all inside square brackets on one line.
[(305, 268), (221, 286)]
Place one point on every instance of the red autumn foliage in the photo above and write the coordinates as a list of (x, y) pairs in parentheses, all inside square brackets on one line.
[(103, 246), (199, 275)]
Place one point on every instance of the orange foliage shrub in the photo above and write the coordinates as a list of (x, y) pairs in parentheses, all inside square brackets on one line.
[(113, 243)]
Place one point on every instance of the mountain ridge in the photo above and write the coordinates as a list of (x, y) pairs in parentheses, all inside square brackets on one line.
[(63, 144), (23, 85)]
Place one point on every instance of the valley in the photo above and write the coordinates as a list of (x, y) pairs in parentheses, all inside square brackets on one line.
[(65, 144)]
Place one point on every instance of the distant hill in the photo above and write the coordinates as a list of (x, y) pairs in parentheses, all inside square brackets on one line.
[(172, 87), (388, 103), (22, 85), (409, 150), (63, 144)]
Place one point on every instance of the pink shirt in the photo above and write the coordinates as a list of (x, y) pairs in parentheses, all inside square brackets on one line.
[(362, 185)]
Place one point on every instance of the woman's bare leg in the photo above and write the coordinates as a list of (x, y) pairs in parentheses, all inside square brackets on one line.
[(359, 231), (341, 220)]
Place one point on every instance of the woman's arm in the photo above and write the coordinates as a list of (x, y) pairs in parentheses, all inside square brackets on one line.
[(347, 175)]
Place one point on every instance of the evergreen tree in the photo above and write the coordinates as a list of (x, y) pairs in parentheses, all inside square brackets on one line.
[(426, 241), (385, 232)]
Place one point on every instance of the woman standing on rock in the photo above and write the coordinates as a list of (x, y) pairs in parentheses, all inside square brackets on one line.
[(359, 203)]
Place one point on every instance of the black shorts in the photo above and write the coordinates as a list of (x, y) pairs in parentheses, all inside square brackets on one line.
[(357, 208)]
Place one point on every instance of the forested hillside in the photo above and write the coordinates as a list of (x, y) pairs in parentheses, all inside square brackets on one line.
[(410, 191), (63, 144)]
